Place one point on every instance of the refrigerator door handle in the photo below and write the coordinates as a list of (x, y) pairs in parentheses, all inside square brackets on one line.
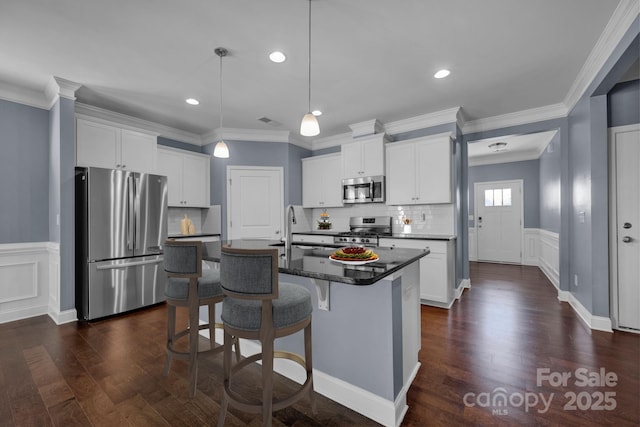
[(130, 212), (129, 264)]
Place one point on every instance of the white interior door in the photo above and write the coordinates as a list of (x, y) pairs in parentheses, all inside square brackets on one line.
[(498, 207), (254, 202), (627, 227)]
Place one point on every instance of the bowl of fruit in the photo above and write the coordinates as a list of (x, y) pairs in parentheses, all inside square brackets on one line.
[(354, 255)]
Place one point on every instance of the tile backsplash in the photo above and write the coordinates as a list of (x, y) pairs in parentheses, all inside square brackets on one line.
[(425, 219)]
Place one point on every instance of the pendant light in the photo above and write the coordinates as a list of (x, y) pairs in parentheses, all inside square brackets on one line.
[(309, 125), (221, 150)]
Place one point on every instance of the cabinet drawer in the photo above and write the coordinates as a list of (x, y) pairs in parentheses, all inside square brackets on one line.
[(312, 238), (436, 246)]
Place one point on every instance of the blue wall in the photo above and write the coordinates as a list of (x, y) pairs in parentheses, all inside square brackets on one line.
[(24, 173), (550, 167), (250, 153), (526, 170), (624, 104)]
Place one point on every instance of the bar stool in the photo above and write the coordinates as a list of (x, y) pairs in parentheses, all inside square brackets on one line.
[(258, 307), (187, 286)]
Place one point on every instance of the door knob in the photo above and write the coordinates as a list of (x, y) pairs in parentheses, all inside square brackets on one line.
[(627, 239), (626, 225)]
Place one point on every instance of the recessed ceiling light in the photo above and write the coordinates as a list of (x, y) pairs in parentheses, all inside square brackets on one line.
[(316, 112), (498, 146), (441, 74), (192, 101), (277, 57)]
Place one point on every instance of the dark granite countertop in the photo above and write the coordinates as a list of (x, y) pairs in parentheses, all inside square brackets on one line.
[(314, 262), (183, 236), (392, 236)]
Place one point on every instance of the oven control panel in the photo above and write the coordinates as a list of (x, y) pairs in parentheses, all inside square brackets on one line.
[(356, 240)]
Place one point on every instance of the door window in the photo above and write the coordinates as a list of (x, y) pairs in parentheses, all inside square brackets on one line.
[(497, 197)]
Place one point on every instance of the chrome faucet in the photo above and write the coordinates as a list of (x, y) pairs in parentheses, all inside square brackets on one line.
[(290, 220)]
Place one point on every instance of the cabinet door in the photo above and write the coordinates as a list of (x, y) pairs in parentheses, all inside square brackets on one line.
[(331, 182), (170, 165), (138, 151), (352, 160), (434, 171), (373, 157), (97, 144), (433, 277), (312, 185), (195, 180), (401, 174)]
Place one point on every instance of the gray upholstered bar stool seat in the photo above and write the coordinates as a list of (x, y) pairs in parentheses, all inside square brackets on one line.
[(187, 286), (258, 307)]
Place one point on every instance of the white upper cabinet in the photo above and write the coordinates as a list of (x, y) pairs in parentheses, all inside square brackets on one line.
[(187, 175), (109, 146), (419, 171), (363, 157), (321, 181)]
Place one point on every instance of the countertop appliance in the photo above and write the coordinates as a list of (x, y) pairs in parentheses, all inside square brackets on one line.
[(121, 225), (366, 189), (365, 230)]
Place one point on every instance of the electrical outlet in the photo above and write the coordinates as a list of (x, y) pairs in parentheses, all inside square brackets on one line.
[(575, 280)]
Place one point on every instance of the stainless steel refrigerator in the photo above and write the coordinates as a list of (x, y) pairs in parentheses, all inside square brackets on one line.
[(121, 225)]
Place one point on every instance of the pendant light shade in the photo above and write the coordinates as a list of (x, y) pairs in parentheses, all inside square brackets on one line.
[(221, 150), (309, 125)]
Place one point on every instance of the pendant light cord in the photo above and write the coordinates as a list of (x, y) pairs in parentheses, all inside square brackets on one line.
[(220, 98), (309, 62)]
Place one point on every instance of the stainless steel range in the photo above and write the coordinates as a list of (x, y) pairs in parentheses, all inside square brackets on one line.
[(365, 230)]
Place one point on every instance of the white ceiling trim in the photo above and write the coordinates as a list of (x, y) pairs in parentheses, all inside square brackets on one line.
[(424, 121), (257, 135), (138, 124), (60, 88), (332, 141), (495, 158), (533, 115), (618, 25), (22, 95)]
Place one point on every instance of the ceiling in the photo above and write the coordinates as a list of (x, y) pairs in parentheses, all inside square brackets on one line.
[(517, 148), (371, 59)]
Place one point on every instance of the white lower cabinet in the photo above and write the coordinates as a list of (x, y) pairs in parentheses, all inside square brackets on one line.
[(437, 270)]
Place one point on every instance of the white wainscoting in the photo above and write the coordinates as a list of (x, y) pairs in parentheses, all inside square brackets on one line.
[(549, 256), (30, 282)]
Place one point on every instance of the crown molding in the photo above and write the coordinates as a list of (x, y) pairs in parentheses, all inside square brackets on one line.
[(368, 127), (23, 95), (57, 87), (620, 22), (134, 123), (533, 115), (424, 121), (332, 141), (256, 135), (507, 157)]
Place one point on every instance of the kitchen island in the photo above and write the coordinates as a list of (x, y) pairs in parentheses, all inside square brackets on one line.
[(366, 324)]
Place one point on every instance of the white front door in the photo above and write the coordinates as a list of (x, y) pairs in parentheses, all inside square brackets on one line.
[(254, 202), (627, 226), (499, 221)]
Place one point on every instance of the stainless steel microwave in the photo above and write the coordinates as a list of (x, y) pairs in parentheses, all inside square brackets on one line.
[(369, 189)]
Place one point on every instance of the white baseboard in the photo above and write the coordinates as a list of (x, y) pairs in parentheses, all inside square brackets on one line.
[(62, 317), (597, 323)]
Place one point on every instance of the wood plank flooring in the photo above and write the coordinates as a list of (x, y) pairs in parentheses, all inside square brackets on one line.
[(505, 328)]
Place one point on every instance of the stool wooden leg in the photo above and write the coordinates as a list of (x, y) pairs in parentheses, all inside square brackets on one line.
[(171, 331), (267, 381), (308, 355), (212, 326), (226, 363), (193, 350), (236, 343)]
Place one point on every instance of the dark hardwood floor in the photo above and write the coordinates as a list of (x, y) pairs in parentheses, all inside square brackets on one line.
[(491, 344)]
